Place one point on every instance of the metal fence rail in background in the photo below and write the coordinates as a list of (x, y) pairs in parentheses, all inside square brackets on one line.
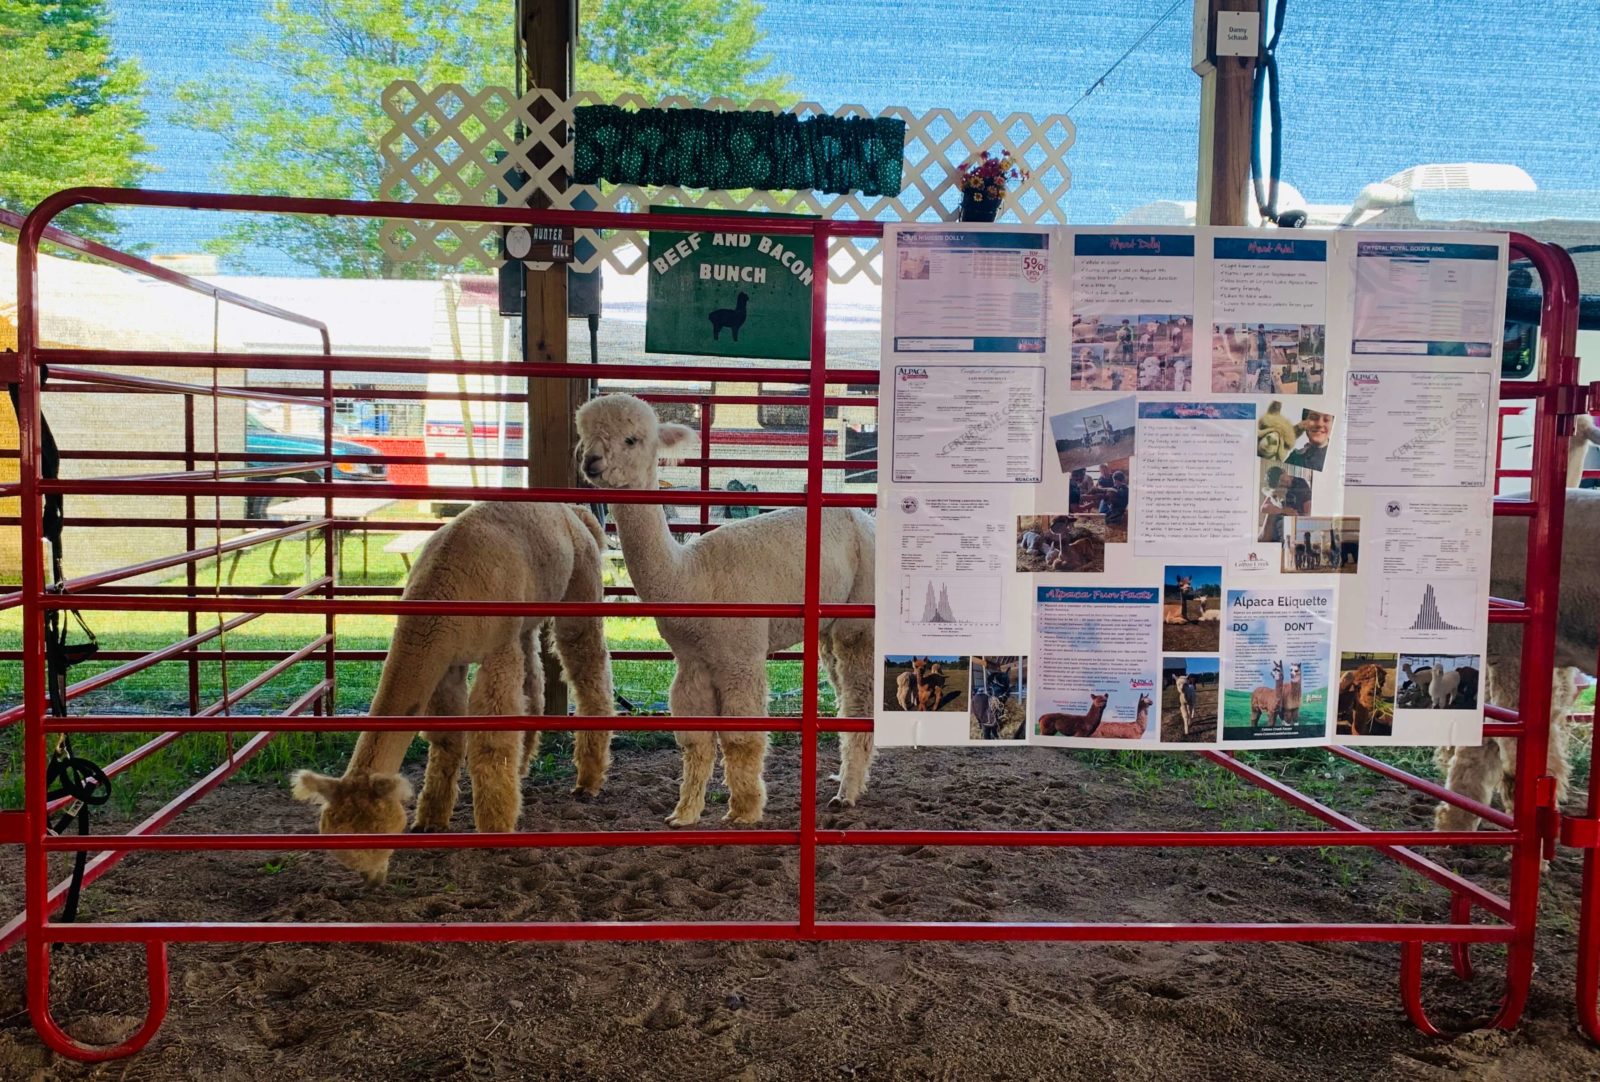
[(1525, 830)]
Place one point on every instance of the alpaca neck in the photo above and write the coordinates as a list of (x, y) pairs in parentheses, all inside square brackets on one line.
[(379, 753), (653, 556)]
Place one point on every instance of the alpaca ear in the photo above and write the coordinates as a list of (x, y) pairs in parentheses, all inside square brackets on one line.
[(387, 786), (675, 440), (311, 787)]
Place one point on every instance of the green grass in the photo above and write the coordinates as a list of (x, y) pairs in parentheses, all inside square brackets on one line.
[(164, 688)]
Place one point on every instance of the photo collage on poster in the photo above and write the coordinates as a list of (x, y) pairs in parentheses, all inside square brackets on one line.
[(1131, 475)]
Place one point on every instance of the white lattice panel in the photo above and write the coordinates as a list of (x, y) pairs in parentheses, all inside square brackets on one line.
[(445, 139)]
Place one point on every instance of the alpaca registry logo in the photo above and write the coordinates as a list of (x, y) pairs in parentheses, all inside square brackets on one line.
[(715, 294)]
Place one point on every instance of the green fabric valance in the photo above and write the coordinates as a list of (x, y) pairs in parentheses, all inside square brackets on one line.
[(710, 148)]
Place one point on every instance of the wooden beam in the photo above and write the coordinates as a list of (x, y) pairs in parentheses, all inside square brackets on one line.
[(1226, 95), (548, 33)]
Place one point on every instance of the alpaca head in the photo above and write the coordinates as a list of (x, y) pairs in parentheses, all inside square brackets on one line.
[(1144, 702), (1294, 673), (1098, 702), (620, 440), (359, 803)]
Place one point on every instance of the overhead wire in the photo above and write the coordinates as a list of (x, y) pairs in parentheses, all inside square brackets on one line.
[(1140, 40)]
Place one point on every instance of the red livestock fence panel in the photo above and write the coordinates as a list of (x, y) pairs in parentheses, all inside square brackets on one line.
[(1525, 831)]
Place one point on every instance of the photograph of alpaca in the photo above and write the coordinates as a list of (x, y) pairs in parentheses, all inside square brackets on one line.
[(1276, 699), (490, 552), (1366, 694), (1439, 681), (1189, 688), (999, 698), (722, 662), (1191, 611), (935, 682)]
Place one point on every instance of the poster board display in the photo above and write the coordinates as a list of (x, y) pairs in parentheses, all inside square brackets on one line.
[(1186, 488)]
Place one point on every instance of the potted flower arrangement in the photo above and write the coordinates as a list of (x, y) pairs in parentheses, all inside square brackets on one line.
[(983, 184)]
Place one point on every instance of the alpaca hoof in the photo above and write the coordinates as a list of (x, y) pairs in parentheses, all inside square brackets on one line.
[(834, 777), (742, 818), (582, 795), (428, 828), (677, 819)]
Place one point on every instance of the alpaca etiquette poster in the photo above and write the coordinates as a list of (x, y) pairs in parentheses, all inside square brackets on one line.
[(1274, 533)]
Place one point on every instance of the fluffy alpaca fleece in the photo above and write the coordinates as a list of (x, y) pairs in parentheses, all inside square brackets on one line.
[(1275, 434), (490, 552), (721, 663), (1481, 772)]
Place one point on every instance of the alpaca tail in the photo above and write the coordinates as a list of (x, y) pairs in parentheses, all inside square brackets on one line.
[(1585, 434)]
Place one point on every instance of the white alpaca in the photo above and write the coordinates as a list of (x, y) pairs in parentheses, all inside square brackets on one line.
[(721, 662), (1443, 688), (490, 552)]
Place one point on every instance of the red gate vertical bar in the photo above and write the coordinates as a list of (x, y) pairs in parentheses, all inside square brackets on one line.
[(812, 624), (330, 537), (191, 575), (1547, 489), (706, 454), (35, 755)]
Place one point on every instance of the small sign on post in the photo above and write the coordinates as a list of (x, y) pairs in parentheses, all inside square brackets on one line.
[(717, 294), (538, 243)]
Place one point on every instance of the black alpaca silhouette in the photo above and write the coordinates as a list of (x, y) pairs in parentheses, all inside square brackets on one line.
[(731, 318)]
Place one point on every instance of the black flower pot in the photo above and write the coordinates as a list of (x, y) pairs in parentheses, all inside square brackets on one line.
[(974, 209)]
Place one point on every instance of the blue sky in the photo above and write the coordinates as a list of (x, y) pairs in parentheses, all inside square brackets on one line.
[(1368, 89)]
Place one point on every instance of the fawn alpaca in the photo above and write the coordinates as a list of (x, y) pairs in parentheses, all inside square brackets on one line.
[(1075, 724), (1127, 730), (1268, 701)]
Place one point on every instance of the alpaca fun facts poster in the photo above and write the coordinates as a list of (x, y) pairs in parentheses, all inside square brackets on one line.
[(1185, 488)]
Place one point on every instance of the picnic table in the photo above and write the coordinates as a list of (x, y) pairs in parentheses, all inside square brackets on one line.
[(308, 507)]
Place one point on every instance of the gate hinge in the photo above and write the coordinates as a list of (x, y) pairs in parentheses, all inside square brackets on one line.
[(1571, 399), (1547, 816), (1578, 832), (13, 828)]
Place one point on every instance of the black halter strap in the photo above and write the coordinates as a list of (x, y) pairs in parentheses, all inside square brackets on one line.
[(82, 782)]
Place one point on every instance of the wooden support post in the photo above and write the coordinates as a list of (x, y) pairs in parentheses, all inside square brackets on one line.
[(1226, 94), (548, 33)]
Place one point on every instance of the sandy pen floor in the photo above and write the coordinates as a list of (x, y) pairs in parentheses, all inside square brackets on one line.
[(830, 1010)]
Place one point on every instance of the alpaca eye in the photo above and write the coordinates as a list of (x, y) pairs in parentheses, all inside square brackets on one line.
[(631, 440)]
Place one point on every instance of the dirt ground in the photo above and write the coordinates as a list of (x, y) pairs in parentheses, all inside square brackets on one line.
[(810, 1011)]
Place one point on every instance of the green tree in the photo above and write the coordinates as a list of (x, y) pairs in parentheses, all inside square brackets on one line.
[(300, 114), (697, 48), (70, 112)]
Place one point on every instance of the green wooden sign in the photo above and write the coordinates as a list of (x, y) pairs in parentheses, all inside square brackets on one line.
[(729, 294)]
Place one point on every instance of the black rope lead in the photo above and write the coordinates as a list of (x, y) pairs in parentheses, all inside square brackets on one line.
[(1266, 99), (84, 784)]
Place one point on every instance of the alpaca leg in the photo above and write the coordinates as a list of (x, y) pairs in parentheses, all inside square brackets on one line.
[(692, 695), (1474, 773), (581, 645), (532, 692), (493, 758), (744, 758), (440, 782), (741, 691), (853, 681), (1563, 695)]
